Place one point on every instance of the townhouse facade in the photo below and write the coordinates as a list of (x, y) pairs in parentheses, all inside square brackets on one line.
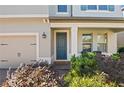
[(51, 33)]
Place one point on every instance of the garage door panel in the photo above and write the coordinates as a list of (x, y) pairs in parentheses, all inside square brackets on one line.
[(19, 49)]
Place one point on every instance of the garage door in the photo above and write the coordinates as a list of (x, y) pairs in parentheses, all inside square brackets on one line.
[(17, 49)]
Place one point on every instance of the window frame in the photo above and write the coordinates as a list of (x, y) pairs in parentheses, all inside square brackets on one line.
[(91, 9), (97, 10), (104, 43), (62, 11), (87, 43), (102, 5)]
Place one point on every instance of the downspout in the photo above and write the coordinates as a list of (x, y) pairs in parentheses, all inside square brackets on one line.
[(122, 12), (71, 10)]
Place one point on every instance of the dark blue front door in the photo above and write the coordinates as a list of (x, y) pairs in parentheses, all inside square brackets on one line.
[(61, 45)]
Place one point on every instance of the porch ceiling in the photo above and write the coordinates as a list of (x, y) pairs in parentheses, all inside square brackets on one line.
[(118, 30), (116, 27)]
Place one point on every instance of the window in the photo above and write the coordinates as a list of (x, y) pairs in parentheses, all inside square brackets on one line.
[(87, 47), (103, 7), (102, 42), (111, 8), (97, 7), (87, 42), (92, 7), (88, 7), (83, 7), (62, 8), (106, 7)]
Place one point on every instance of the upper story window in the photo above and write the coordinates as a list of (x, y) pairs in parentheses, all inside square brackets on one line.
[(92, 7), (97, 7), (103, 7), (62, 8), (106, 7)]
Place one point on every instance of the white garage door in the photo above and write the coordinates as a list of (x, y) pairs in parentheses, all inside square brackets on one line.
[(17, 49)]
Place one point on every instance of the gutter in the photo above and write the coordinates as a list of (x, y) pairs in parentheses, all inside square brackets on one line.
[(89, 18)]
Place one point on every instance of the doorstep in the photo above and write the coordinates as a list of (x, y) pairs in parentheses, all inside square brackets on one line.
[(61, 65), (61, 62)]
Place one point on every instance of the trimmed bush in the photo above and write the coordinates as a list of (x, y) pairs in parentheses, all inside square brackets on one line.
[(115, 57), (85, 72), (121, 49), (84, 64), (96, 80)]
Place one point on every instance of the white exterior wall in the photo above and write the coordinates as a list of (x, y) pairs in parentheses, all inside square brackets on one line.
[(120, 39)]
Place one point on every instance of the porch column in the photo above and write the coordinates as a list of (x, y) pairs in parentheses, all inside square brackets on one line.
[(112, 42), (74, 40)]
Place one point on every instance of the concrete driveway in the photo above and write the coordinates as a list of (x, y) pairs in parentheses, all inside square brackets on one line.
[(3, 73)]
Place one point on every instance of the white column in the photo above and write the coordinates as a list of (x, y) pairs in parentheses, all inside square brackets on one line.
[(74, 40), (112, 42), (94, 41)]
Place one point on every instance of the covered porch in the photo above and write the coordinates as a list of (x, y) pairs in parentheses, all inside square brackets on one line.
[(68, 39)]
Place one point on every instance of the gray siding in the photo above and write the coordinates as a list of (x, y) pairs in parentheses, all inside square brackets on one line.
[(75, 11), (78, 13), (53, 11), (24, 10)]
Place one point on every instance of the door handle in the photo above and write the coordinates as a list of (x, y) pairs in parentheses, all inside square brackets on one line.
[(3, 44), (4, 60), (33, 44)]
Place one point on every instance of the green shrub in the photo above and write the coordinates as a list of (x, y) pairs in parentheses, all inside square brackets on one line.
[(121, 49), (97, 80), (84, 72), (115, 57), (84, 63)]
